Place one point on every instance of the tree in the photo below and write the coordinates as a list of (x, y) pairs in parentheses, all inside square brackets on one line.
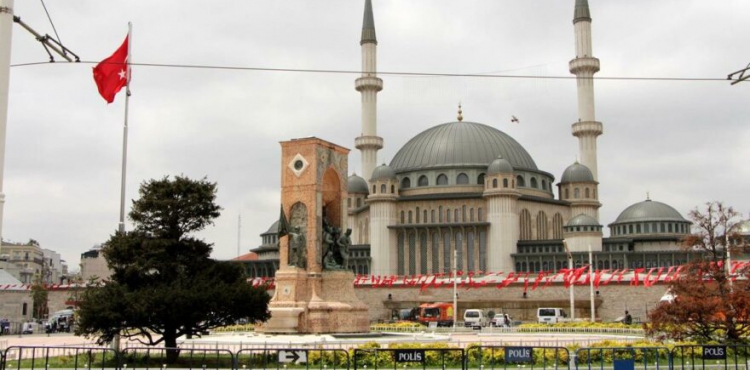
[(164, 285), (710, 303)]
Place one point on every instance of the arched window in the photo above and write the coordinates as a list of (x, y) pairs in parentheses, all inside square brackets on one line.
[(586, 192), (410, 218), (448, 215), (525, 220), (462, 179), (494, 183), (440, 214), (402, 217), (442, 179), (382, 189), (520, 180), (576, 193), (424, 218), (359, 202), (480, 215), (480, 179), (541, 226), (567, 193), (471, 215), (505, 183), (349, 202), (455, 215), (373, 189), (405, 183), (24, 310), (423, 181), (533, 183), (417, 214), (432, 216), (393, 189), (544, 186), (557, 225), (463, 213)]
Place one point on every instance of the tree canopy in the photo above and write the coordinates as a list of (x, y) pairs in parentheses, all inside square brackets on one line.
[(710, 303), (164, 283)]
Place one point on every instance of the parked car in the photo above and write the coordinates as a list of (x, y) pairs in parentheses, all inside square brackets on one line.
[(550, 315), (475, 318), (499, 321)]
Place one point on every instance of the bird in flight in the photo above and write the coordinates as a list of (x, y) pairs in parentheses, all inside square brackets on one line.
[(513, 119)]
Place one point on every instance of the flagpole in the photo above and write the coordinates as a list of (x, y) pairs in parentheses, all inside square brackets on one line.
[(121, 227)]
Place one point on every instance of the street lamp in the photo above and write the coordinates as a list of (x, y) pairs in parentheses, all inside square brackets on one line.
[(455, 294), (570, 269)]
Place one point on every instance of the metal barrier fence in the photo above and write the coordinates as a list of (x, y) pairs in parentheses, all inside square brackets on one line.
[(183, 358), (503, 357), (30, 358), (712, 357), (482, 357), (624, 358), (392, 358), (298, 358)]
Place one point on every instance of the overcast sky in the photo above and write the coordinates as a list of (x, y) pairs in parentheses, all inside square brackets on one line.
[(684, 142)]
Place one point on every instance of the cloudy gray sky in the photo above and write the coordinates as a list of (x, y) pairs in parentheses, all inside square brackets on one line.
[(684, 142)]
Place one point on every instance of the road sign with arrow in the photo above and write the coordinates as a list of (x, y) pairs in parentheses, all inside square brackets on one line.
[(298, 356)]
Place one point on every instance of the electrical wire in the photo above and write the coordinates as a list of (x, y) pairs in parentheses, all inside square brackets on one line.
[(404, 74)]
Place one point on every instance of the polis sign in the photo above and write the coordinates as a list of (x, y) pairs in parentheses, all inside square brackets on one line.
[(518, 354), (714, 352), (409, 355)]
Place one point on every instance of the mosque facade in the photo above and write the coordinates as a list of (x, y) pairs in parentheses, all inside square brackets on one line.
[(466, 196)]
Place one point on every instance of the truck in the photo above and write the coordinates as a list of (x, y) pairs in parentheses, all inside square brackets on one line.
[(439, 313)]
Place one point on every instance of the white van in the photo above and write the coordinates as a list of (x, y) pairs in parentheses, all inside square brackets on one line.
[(550, 315), (475, 318)]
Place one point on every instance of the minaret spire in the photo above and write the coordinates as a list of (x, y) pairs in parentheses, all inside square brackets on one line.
[(369, 85), (584, 66)]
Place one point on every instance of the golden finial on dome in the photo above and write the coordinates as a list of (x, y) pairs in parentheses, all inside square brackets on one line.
[(460, 117)]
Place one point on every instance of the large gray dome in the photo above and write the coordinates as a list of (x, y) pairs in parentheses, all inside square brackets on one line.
[(357, 185), (460, 144), (577, 172), (649, 210)]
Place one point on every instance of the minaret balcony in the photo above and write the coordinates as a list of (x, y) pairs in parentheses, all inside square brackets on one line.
[(583, 128), (584, 64), (368, 142), (368, 83)]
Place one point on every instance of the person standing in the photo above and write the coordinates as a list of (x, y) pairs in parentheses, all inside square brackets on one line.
[(628, 319)]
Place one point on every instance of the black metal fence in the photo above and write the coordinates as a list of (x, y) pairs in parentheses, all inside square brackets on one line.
[(398, 357)]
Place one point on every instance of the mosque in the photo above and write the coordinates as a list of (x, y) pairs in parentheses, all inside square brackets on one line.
[(466, 196)]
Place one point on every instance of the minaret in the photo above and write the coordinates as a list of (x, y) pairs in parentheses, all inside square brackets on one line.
[(6, 28), (584, 66), (368, 85)]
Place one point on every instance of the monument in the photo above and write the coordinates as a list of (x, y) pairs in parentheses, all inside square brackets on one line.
[(314, 289)]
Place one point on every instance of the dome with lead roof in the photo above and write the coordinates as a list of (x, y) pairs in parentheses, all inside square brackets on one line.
[(357, 185), (577, 172), (383, 172)]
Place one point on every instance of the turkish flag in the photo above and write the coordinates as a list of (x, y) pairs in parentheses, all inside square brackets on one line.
[(112, 74)]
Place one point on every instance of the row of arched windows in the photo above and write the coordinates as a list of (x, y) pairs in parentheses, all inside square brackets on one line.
[(543, 229), (533, 183), (441, 180), (577, 193), (651, 228), (435, 216)]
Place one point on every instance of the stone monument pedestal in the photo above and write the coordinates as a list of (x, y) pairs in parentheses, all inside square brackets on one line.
[(316, 304)]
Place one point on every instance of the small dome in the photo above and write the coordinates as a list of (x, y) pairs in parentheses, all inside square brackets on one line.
[(383, 172), (583, 220), (649, 210), (499, 165), (357, 185), (577, 172)]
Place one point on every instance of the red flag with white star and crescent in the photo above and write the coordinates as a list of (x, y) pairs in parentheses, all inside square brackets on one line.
[(111, 74)]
